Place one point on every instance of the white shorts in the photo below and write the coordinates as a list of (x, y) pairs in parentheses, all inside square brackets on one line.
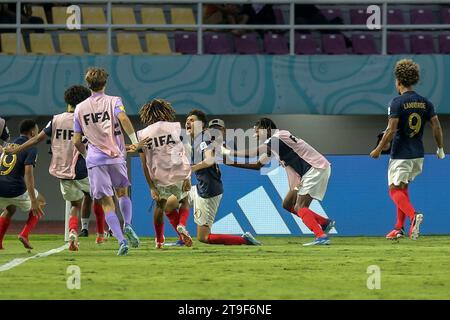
[(205, 209), (315, 183), (22, 202), (404, 170), (74, 190), (174, 189)]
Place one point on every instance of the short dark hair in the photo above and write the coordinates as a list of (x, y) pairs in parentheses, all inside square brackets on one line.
[(200, 115), (76, 94), (265, 123), (26, 126), (96, 78)]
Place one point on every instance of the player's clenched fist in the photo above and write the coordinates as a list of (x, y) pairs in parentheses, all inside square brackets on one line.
[(375, 154), (186, 185)]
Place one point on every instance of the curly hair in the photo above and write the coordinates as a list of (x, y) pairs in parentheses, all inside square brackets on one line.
[(265, 123), (157, 110), (76, 94), (200, 116), (96, 78), (407, 72)]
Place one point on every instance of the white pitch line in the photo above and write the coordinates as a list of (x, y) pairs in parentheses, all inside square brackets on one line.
[(18, 261)]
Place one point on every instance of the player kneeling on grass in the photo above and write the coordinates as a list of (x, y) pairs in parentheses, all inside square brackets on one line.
[(68, 165), (408, 115), (166, 168), (101, 118), (207, 194), (17, 185), (308, 173)]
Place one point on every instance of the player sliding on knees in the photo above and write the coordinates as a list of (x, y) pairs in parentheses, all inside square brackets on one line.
[(207, 194), (408, 115), (308, 173), (101, 118), (68, 165), (17, 186), (166, 168)]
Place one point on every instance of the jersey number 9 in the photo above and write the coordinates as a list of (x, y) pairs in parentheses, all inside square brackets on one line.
[(8, 166), (415, 124)]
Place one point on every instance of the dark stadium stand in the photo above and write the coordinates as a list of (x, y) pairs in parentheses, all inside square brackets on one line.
[(129, 40)]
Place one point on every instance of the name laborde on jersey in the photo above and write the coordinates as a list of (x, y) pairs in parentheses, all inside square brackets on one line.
[(414, 105)]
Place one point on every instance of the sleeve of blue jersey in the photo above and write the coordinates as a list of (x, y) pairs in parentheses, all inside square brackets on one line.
[(5, 134), (48, 129), (31, 157), (431, 110), (394, 109)]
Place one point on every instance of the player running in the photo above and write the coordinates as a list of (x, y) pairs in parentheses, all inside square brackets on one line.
[(68, 165), (408, 115), (207, 194), (166, 168), (101, 118), (307, 170), (4, 134), (17, 187)]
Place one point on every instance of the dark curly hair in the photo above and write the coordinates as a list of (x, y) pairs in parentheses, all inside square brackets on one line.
[(76, 94), (265, 123), (157, 110), (200, 116), (407, 72)]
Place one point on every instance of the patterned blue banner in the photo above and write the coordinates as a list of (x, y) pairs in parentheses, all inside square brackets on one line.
[(357, 198), (34, 85)]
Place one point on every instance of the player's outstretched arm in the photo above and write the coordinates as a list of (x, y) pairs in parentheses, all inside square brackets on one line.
[(387, 137), (252, 166), (29, 182), (438, 136), (77, 140), (14, 149), (128, 128), (262, 149)]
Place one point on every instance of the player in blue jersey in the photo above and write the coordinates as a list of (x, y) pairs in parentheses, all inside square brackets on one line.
[(408, 115), (206, 196), (17, 189)]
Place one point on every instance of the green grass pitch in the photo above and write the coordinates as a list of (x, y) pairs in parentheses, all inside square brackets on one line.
[(280, 269)]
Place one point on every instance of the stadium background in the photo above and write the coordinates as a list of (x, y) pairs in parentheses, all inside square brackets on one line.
[(336, 103)]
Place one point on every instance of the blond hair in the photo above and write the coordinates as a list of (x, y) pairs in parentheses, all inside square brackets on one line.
[(96, 78)]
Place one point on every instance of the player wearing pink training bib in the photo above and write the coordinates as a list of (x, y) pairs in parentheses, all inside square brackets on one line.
[(166, 168), (101, 118)]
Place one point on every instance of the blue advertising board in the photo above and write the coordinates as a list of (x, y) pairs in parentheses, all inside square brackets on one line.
[(357, 198)]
